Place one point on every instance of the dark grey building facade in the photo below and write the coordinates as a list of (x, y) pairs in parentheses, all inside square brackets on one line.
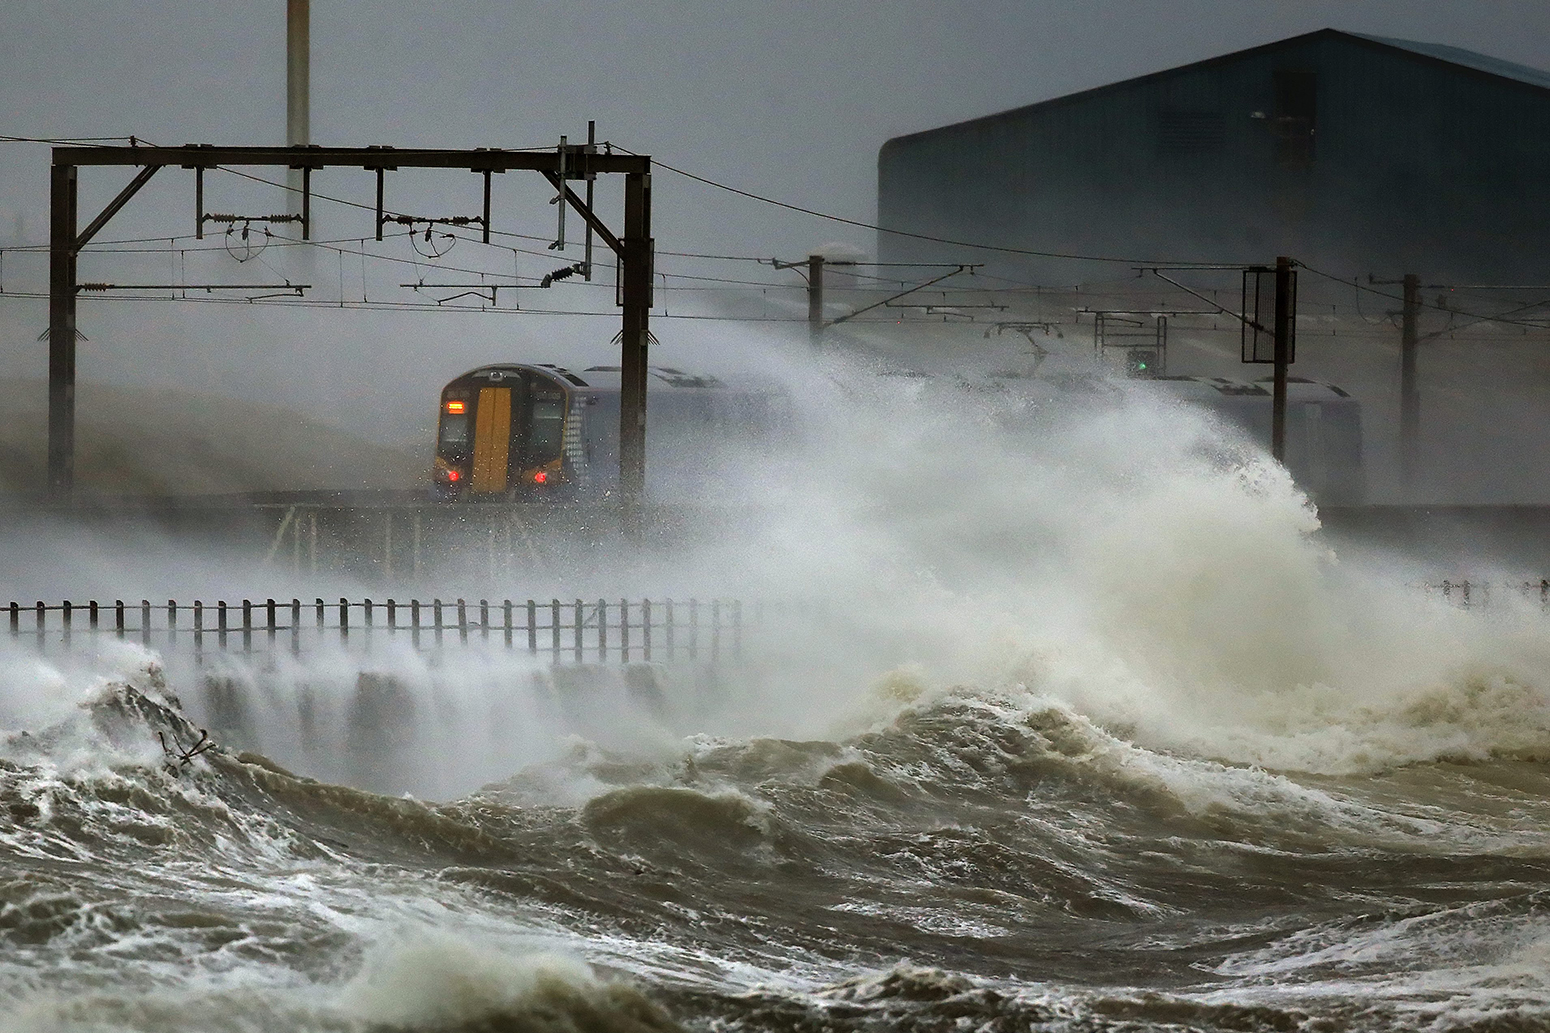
[(1353, 153)]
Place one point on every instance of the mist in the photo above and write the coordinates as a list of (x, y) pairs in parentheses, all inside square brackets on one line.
[(1053, 700), (824, 87)]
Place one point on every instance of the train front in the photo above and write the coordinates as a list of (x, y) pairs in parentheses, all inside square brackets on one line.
[(501, 436)]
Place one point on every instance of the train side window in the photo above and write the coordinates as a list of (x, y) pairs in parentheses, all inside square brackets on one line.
[(548, 424)]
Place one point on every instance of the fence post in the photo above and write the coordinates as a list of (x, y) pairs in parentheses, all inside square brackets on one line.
[(532, 627), (462, 622), (506, 613), (602, 631), (269, 614), (392, 609), (16, 619), (65, 632), (118, 617), (484, 619), (694, 629), (554, 627), (220, 620), (247, 625), (145, 621), (39, 621), (579, 625), (715, 630), (199, 630), (436, 618), (645, 629), (344, 621), (320, 617), (92, 618), (737, 629), (295, 626), (414, 617), (366, 610), (667, 621), (624, 631)]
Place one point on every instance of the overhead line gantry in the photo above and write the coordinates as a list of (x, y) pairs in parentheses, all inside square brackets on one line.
[(560, 166)]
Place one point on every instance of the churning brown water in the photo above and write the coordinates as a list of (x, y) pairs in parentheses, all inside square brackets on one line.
[(1101, 738)]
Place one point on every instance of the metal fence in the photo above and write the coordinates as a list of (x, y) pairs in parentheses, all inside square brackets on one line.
[(569, 631), (1468, 593)]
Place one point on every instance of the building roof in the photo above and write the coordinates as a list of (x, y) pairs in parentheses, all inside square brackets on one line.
[(1454, 57), (1467, 58)]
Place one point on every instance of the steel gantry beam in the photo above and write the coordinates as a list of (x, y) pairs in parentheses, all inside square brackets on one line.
[(634, 248)]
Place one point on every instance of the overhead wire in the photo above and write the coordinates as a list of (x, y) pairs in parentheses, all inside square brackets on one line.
[(999, 248), (117, 247), (1474, 317), (398, 306)]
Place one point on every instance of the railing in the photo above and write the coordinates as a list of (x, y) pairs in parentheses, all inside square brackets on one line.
[(561, 631), (1478, 593)]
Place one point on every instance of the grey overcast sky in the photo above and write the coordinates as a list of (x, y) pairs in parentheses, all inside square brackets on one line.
[(786, 97), (789, 98)]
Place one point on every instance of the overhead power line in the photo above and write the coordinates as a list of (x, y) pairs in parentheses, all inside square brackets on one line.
[(1473, 317), (1002, 249)]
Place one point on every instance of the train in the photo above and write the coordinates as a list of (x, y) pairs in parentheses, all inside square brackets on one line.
[(540, 432), (1323, 428), (1324, 440)]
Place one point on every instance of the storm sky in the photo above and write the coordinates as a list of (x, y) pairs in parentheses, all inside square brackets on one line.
[(790, 99), (786, 99)]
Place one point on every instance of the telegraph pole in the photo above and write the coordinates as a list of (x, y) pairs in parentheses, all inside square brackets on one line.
[(815, 265), (1286, 313), (636, 289), (61, 332), (815, 300), (1409, 390)]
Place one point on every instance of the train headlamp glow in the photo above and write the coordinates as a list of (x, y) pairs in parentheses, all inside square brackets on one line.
[(454, 475), (456, 408), (541, 477)]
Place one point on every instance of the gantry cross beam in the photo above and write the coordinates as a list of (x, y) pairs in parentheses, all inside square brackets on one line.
[(568, 162)]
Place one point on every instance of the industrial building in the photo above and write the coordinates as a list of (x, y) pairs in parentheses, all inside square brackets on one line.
[(1354, 153)]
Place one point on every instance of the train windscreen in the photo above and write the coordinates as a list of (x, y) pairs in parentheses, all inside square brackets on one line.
[(454, 432)]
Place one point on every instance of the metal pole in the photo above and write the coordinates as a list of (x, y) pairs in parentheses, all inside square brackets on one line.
[(815, 299), (298, 81), (1409, 391), (636, 271), (591, 179), (298, 98), (61, 332), (1284, 317), (298, 61)]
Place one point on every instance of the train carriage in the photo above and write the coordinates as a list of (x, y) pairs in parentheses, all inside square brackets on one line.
[(541, 432), (1323, 428)]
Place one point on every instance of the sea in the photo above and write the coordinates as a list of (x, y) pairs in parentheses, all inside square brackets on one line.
[(1079, 726)]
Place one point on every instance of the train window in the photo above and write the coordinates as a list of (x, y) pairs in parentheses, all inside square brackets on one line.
[(454, 432), (548, 425)]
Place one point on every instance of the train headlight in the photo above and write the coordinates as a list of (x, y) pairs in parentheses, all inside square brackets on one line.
[(541, 477)]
